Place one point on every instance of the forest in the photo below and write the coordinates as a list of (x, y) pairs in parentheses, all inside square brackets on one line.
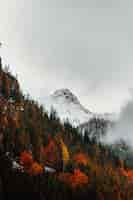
[(43, 158)]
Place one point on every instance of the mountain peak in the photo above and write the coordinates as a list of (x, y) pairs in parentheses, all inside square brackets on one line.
[(66, 95), (68, 107)]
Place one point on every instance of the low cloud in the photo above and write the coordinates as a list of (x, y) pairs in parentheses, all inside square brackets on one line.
[(123, 129)]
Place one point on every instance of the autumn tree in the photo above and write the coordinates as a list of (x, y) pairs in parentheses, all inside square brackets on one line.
[(35, 169), (64, 150), (26, 160), (76, 180), (81, 158), (50, 153)]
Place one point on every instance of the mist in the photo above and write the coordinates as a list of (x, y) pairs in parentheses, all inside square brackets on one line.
[(123, 128)]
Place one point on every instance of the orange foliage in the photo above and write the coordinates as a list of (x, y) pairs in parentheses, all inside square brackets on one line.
[(81, 158), (77, 179), (35, 169), (50, 153), (26, 160), (31, 167), (50, 146), (130, 174), (123, 172)]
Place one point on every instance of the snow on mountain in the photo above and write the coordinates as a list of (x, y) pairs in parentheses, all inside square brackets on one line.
[(69, 108)]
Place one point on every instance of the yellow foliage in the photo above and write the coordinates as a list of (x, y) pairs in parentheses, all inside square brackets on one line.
[(65, 152)]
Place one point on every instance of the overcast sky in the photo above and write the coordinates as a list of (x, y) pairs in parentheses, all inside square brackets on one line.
[(83, 45)]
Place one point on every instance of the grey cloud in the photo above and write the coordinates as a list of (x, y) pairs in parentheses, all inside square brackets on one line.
[(86, 46)]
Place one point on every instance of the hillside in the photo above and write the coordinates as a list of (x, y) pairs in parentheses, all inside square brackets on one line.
[(44, 158)]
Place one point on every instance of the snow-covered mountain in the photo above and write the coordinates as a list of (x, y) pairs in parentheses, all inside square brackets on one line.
[(69, 108)]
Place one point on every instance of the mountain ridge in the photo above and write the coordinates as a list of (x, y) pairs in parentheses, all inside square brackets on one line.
[(68, 107)]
